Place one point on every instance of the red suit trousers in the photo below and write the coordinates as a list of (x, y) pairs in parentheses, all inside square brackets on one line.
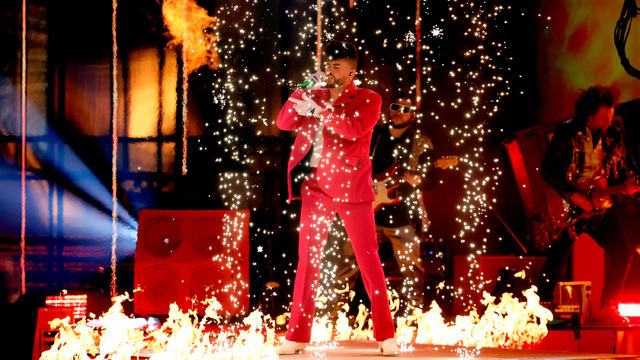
[(316, 216)]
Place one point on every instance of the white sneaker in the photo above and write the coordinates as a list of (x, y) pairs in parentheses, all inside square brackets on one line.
[(389, 347), (289, 347)]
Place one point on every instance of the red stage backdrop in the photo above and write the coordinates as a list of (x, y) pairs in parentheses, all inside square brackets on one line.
[(576, 50)]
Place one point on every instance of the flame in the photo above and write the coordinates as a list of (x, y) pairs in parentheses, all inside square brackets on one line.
[(191, 26), (76, 341), (182, 336), (508, 324), (343, 330), (323, 328)]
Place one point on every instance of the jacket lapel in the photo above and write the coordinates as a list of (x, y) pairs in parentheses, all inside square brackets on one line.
[(346, 96)]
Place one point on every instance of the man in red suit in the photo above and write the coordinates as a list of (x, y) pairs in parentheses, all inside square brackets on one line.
[(334, 127)]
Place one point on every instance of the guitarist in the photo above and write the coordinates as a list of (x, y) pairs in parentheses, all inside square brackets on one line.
[(398, 143), (588, 164)]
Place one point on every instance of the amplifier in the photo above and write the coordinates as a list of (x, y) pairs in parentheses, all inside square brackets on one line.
[(571, 298)]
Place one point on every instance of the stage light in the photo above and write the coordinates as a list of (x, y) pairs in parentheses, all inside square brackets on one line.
[(631, 310), (85, 197), (77, 302)]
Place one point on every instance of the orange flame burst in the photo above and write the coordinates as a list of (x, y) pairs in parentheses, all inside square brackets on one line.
[(509, 324), (181, 337), (191, 26)]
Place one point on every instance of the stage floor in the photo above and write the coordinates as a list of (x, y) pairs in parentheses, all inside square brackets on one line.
[(369, 350)]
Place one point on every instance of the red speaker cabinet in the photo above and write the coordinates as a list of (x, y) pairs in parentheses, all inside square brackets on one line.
[(186, 256), (45, 336)]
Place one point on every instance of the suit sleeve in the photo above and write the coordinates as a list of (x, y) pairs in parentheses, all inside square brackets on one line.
[(358, 121), (288, 119)]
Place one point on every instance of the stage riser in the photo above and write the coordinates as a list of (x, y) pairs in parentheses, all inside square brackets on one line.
[(601, 341)]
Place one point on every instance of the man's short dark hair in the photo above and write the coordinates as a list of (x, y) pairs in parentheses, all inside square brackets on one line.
[(334, 50), (590, 101), (402, 95)]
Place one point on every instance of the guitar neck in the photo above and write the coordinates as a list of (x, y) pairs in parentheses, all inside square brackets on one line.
[(396, 171), (612, 190)]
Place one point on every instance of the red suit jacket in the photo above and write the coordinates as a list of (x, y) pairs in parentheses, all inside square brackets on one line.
[(344, 170)]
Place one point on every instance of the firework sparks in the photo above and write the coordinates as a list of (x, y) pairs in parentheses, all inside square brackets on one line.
[(476, 84), (436, 32), (410, 38), (478, 80)]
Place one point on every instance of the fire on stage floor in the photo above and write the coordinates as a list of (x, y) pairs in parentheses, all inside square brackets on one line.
[(369, 350)]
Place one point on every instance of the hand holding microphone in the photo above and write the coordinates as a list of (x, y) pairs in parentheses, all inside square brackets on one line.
[(314, 81), (306, 106)]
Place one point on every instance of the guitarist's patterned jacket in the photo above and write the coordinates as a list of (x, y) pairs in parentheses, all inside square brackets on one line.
[(576, 158), (412, 152)]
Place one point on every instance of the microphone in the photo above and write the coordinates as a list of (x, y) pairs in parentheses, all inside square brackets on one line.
[(307, 83), (313, 78)]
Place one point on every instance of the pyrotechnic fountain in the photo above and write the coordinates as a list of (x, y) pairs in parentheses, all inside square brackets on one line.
[(114, 145), (23, 147)]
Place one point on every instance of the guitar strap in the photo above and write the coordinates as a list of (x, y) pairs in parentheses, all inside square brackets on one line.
[(425, 222), (420, 145)]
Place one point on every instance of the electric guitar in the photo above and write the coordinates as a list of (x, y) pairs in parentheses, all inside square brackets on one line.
[(385, 184), (562, 212)]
